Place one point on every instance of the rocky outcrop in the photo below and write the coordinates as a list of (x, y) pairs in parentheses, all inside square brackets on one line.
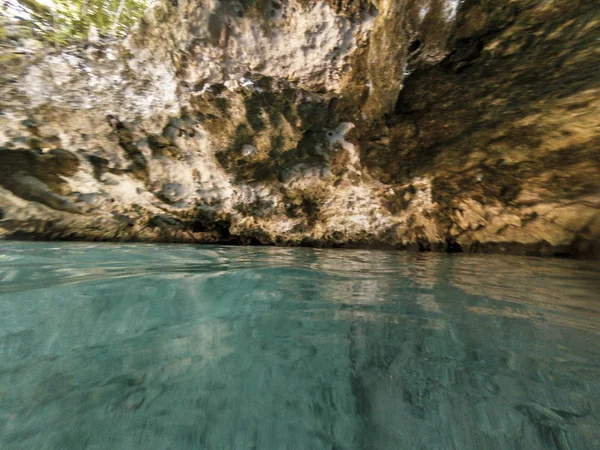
[(424, 124)]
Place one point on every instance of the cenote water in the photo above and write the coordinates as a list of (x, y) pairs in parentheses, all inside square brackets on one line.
[(193, 347)]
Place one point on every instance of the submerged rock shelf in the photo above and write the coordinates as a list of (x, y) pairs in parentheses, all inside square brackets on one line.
[(425, 124)]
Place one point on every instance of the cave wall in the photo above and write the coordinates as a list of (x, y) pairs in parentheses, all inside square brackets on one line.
[(422, 124)]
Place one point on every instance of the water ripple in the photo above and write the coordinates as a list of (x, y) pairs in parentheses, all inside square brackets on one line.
[(158, 346)]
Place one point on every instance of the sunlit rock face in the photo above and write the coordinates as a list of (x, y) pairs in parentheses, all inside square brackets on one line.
[(422, 124)]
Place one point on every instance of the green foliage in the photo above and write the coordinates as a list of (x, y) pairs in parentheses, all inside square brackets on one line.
[(66, 21)]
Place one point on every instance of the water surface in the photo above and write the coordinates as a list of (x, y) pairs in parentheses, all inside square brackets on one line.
[(186, 347)]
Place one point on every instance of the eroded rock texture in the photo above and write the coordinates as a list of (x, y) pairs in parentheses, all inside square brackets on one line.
[(427, 124)]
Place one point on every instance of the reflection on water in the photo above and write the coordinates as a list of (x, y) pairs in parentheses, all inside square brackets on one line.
[(156, 347)]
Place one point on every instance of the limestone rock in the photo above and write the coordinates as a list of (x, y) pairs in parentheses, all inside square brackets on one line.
[(426, 124)]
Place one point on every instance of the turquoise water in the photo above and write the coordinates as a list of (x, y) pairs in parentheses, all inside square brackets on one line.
[(188, 347)]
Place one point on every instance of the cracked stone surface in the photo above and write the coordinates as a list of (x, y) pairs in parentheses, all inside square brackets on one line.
[(421, 124)]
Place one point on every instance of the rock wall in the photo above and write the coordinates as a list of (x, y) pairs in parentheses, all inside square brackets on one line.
[(422, 124)]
